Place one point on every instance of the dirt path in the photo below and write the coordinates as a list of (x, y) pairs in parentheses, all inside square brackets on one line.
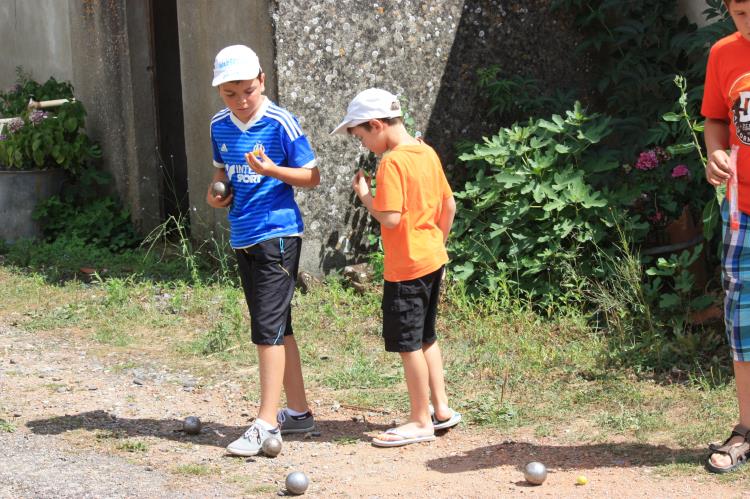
[(93, 424)]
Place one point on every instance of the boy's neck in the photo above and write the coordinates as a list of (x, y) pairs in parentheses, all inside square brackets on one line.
[(396, 135)]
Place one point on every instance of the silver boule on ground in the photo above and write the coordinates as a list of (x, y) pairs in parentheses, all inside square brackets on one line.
[(271, 447), (296, 483), (191, 425), (535, 473)]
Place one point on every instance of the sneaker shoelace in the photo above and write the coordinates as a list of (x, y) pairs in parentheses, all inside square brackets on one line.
[(252, 430), (281, 416)]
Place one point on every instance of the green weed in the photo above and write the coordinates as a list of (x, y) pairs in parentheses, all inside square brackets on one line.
[(132, 446), (195, 469), (6, 426)]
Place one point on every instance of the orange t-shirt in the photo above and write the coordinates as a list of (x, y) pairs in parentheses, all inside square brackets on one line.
[(410, 180), (726, 96)]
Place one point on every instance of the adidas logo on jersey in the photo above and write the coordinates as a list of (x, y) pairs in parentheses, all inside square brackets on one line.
[(224, 148)]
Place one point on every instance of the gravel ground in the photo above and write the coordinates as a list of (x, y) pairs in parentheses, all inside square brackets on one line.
[(36, 466)]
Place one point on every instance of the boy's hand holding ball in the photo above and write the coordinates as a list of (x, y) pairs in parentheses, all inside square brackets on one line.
[(361, 183), (219, 194), (259, 162)]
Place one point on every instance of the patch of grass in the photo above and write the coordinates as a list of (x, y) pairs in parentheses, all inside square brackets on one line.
[(362, 372), (6, 426), (630, 420), (123, 366), (345, 440), (112, 335), (195, 469), (261, 489), (132, 446), (109, 434)]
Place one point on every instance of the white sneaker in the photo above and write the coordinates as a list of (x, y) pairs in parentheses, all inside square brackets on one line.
[(251, 443)]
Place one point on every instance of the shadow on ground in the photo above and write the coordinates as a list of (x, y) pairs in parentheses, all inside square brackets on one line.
[(212, 432), (566, 457)]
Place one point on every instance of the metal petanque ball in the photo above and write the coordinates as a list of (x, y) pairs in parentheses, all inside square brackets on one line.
[(191, 425), (535, 473), (271, 447), (297, 482), (220, 188)]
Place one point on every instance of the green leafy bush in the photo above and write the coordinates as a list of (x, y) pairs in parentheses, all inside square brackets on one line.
[(41, 140), (14, 101), (82, 213), (537, 205)]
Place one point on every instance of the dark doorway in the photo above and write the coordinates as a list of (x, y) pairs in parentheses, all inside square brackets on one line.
[(169, 119)]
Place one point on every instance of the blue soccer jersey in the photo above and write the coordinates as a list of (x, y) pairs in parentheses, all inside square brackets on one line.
[(263, 207)]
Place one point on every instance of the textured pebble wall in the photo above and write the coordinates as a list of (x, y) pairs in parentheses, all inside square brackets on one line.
[(428, 52)]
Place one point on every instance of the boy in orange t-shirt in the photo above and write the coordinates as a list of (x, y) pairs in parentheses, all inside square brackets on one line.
[(726, 107), (415, 207)]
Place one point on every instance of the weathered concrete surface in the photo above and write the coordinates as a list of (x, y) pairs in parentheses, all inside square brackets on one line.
[(35, 34), (112, 76), (242, 22)]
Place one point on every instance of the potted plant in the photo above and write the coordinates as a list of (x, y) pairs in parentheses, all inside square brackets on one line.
[(666, 196), (664, 190), (38, 148)]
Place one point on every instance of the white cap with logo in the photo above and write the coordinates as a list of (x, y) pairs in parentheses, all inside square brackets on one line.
[(235, 63), (369, 104)]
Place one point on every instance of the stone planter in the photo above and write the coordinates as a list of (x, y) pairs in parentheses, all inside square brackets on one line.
[(20, 192)]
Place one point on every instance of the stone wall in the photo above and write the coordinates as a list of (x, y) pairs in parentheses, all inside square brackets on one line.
[(428, 52)]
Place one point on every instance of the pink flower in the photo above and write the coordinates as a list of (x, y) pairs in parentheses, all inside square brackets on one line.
[(656, 218), (647, 160), (680, 171)]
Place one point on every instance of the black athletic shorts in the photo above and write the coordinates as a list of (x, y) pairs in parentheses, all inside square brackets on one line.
[(268, 271), (409, 312)]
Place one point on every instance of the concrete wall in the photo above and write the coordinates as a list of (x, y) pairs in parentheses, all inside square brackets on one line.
[(241, 22), (35, 34), (112, 76)]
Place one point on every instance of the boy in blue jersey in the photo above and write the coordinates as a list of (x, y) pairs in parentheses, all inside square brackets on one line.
[(260, 150)]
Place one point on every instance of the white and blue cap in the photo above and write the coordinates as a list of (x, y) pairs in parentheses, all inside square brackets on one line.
[(235, 63), (369, 104)]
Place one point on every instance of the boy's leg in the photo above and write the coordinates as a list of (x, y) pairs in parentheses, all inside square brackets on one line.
[(417, 378), (742, 379), (271, 363), (432, 353), (439, 398), (736, 282), (294, 384)]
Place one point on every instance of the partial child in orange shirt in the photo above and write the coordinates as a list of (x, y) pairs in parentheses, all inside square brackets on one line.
[(726, 107), (415, 207)]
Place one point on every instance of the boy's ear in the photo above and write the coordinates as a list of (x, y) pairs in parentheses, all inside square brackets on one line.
[(376, 124)]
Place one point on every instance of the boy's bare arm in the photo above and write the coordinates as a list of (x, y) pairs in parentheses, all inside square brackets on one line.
[(446, 217), (296, 177), (218, 201), (361, 186), (716, 135)]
